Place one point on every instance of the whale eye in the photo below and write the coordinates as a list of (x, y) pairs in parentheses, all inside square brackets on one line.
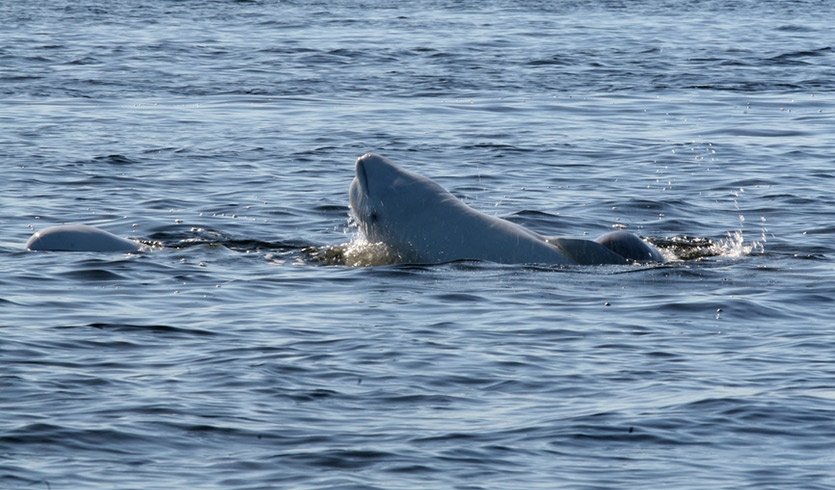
[(373, 217)]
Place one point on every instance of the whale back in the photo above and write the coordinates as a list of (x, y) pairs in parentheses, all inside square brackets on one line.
[(630, 246), (586, 252), (79, 238)]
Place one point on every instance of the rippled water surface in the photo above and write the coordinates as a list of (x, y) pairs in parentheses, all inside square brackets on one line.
[(224, 134)]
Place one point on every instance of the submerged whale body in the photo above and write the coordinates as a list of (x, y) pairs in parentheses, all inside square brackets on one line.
[(421, 222), (79, 238)]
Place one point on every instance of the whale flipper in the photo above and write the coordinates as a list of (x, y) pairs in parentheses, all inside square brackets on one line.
[(79, 238)]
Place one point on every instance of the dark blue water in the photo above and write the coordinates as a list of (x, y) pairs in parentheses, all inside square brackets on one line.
[(224, 134)]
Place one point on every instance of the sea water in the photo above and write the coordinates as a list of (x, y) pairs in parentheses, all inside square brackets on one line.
[(223, 135)]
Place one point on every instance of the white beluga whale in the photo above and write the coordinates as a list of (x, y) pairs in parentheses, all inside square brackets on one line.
[(421, 222), (80, 238)]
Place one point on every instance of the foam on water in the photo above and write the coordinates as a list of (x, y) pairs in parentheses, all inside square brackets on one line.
[(358, 252)]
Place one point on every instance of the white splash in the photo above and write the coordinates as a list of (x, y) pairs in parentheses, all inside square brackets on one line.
[(360, 252), (734, 245)]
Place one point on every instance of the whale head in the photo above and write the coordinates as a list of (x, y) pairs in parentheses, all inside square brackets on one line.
[(395, 206)]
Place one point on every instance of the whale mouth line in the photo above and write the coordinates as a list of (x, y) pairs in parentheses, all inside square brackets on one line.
[(362, 176)]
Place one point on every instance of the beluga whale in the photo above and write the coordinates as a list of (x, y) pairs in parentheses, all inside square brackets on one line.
[(79, 238), (418, 222), (423, 223)]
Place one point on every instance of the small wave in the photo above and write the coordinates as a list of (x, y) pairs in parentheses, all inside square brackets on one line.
[(94, 275), (796, 57), (71, 438), (341, 459), (689, 248), (115, 159), (182, 236), (153, 329), (795, 28)]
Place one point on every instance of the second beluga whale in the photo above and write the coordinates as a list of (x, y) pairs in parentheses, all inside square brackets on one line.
[(421, 222), (79, 238)]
